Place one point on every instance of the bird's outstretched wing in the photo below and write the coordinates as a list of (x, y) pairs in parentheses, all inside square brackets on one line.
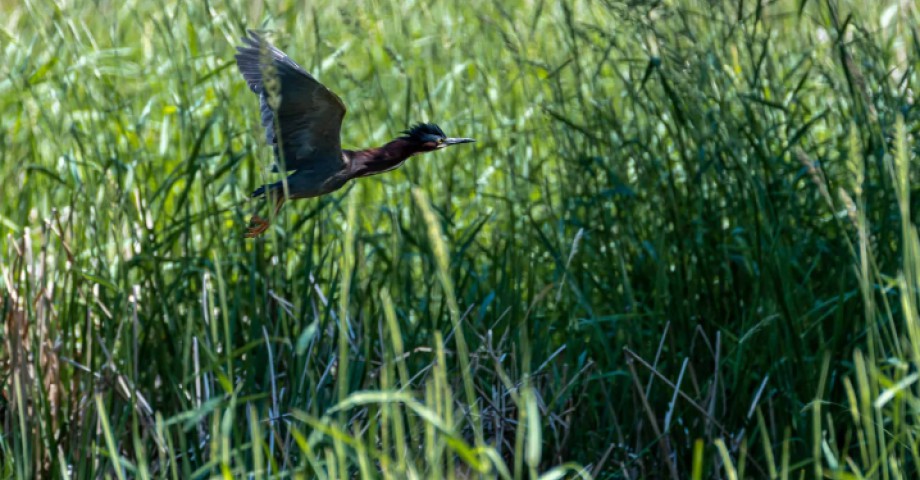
[(309, 115)]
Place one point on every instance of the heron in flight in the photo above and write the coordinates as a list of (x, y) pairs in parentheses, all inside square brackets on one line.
[(303, 122)]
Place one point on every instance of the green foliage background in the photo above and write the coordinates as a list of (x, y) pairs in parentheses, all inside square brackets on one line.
[(682, 245)]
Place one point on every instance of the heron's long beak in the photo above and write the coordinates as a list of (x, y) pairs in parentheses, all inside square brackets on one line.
[(455, 141)]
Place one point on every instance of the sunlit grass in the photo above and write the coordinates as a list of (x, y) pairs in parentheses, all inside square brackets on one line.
[(683, 245)]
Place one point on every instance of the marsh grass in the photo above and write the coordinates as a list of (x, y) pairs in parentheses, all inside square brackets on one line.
[(682, 246)]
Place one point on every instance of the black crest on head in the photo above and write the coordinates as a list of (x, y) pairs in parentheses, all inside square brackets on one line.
[(424, 132)]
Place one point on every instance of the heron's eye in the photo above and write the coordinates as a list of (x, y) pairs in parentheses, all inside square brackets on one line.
[(440, 141)]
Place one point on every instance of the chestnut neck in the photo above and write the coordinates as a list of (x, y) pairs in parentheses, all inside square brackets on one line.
[(371, 161)]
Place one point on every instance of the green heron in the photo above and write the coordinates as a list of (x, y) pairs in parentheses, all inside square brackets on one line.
[(303, 120)]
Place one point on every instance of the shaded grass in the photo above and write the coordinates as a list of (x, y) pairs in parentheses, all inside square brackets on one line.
[(674, 248)]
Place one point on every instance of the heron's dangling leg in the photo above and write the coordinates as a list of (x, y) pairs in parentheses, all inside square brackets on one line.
[(259, 225)]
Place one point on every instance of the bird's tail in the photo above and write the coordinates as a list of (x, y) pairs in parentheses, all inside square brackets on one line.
[(259, 192)]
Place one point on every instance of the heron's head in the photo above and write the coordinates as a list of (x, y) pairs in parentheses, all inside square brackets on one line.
[(426, 137)]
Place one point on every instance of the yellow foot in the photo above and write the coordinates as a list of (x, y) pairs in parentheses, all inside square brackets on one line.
[(258, 226)]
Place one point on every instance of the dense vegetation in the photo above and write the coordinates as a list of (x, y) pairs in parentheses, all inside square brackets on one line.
[(682, 246)]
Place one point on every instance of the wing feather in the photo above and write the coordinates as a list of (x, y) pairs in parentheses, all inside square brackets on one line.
[(309, 115)]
